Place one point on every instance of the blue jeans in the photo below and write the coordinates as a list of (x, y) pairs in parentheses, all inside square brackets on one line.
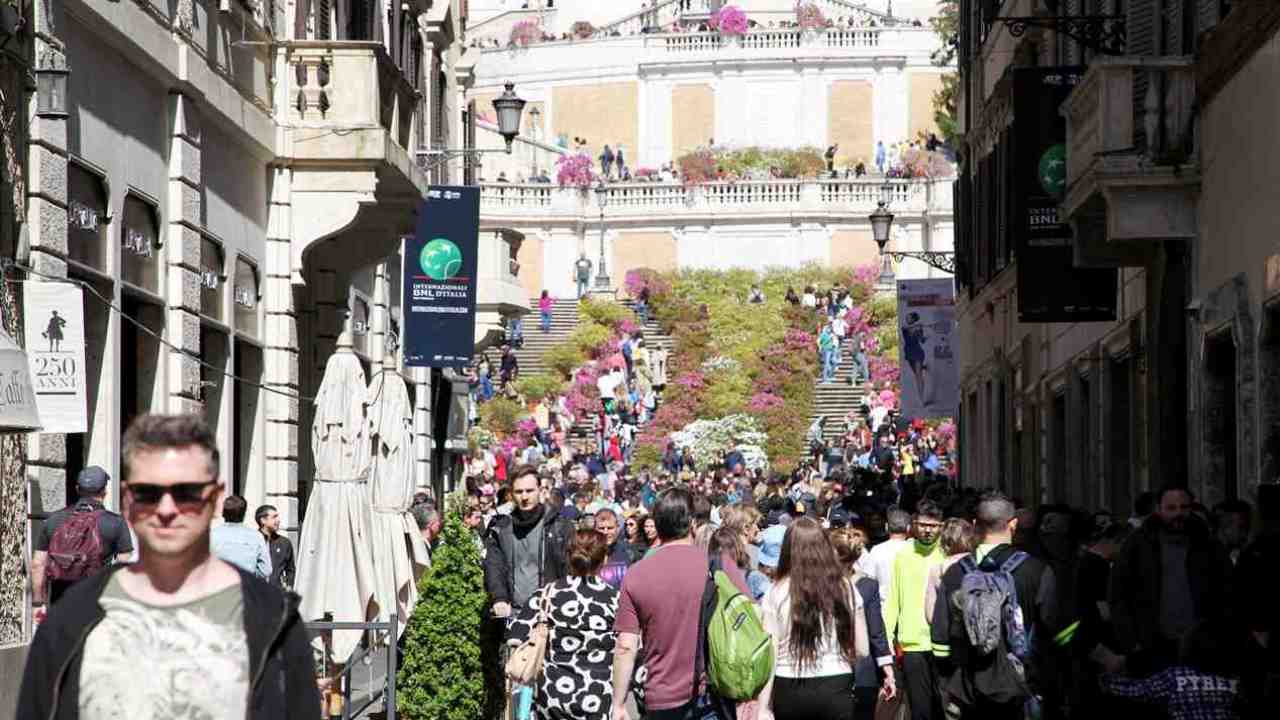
[(486, 387), (642, 311), (861, 368), (828, 365), (546, 322), (515, 333), (582, 287)]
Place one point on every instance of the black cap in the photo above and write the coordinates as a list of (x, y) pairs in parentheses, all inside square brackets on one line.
[(92, 480)]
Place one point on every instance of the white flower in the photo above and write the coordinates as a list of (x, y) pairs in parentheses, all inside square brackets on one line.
[(708, 440), (719, 362)]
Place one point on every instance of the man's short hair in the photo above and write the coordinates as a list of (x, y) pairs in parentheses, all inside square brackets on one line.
[(520, 471), (234, 508), (424, 516), (994, 513), (929, 509), (149, 433), (606, 511), (1173, 487), (897, 520), (673, 514), (262, 512)]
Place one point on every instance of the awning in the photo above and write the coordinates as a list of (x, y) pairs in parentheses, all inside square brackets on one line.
[(17, 396)]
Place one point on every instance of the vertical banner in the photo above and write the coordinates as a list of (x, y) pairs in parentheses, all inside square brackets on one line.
[(439, 267), (1050, 287), (930, 369), (53, 331)]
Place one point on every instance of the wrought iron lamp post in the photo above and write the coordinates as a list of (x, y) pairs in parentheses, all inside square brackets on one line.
[(882, 223), (602, 271), (509, 108)]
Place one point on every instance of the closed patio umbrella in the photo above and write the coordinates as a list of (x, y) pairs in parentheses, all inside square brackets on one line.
[(336, 571), (399, 554)]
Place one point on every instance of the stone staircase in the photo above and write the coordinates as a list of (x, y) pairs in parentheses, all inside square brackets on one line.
[(837, 398)]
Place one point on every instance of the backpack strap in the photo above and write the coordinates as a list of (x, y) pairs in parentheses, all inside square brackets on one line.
[(1012, 562), (704, 619), (968, 564)]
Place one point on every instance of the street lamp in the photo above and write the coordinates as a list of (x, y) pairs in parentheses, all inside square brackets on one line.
[(881, 225), (509, 108), (602, 272)]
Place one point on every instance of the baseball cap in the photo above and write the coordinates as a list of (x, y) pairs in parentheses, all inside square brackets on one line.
[(771, 546), (92, 480)]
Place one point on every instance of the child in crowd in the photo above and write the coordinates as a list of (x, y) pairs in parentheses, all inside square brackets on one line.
[(1204, 685)]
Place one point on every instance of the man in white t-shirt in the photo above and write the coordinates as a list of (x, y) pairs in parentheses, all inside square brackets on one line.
[(878, 563)]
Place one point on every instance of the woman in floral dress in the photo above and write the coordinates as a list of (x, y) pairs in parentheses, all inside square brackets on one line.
[(577, 671)]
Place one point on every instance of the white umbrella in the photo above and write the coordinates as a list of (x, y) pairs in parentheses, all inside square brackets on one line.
[(399, 554), (335, 564)]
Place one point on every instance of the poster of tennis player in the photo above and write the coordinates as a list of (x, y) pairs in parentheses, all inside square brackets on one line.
[(928, 356)]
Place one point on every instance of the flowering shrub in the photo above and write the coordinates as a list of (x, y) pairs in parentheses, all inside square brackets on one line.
[(582, 30), (730, 20), (575, 171), (750, 163), (645, 172), (707, 441), (640, 278), (525, 33), (920, 164), (719, 362), (810, 17), (764, 401)]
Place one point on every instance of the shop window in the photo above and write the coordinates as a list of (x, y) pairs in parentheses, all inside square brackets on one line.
[(245, 297), (214, 352), (140, 245), (212, 278), (140, 357), (1220, 427), (86, 218)]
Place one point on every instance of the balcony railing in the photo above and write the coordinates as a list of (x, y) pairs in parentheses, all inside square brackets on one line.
[(1131, 112), (347, 84), (765, 197)]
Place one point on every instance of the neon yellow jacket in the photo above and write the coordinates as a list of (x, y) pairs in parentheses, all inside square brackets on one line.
[(904, 620)]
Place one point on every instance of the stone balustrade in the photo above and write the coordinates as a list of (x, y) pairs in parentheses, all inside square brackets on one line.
[(641, 200)]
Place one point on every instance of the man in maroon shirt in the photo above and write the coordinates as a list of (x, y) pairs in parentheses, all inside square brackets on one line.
[(660, 605)]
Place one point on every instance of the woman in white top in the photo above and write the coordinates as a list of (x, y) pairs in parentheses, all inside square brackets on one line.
[(809, 611)]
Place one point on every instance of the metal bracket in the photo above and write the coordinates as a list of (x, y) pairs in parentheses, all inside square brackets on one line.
[(944, 261), (1103, 33), (429, 160)]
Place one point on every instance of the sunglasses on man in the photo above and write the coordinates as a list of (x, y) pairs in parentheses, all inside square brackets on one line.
[(182, 493)]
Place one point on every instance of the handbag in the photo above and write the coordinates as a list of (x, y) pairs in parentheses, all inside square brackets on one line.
[(525, 664)]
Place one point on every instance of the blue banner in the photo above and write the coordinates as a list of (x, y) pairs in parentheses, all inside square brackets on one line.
[(439, 267)]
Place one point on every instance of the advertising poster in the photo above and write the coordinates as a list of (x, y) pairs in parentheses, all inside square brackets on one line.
[(1050, 287), (926, 350), (439, 279), (53, 331)]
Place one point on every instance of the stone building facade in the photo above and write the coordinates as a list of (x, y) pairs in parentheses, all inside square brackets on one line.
[(229, 181)]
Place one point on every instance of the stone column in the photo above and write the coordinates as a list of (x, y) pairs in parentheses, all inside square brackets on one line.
[(186, 207), (46, 221), (281, 358)]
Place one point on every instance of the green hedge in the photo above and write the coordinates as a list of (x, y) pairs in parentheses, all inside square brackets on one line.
[(590, 336), (603, 312), (541, 385), (501, 414), (563, 357)]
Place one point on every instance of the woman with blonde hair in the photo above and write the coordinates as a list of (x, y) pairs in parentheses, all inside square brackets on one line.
[(849, 544), (958, 539), (811, 613)]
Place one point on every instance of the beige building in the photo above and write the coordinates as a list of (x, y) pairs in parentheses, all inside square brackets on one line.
[(1166, 147), (229, 180)]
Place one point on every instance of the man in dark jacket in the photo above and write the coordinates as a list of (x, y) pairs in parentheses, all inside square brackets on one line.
[(981, 685), (526, 549), (1169, 576), (179, 633)]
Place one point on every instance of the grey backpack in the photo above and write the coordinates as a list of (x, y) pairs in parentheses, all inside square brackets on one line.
[(988, 604)]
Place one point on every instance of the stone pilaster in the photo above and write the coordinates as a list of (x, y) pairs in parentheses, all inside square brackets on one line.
[(46, 221), (280, 377), (182, 253)]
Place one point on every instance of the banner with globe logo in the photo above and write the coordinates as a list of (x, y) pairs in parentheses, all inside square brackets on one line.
[(439, 279), (1031, 169)]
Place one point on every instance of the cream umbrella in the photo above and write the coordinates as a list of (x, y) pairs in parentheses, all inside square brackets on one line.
[(399, 554), (336, 571)]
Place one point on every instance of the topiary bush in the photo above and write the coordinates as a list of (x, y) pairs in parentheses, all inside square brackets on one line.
[(501, 414), (541, 385), (444, 673)]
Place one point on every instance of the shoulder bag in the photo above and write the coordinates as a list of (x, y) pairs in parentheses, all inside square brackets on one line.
[(525, 664)]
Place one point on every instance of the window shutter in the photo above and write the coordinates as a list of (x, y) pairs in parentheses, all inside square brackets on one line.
[(1142, 42), (1072, 51), (324, 11)]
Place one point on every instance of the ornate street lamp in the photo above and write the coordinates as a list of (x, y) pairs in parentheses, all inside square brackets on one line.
[(602, 272), (509, 108), (882, 224)]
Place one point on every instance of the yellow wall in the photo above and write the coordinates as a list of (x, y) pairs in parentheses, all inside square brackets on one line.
[(631, 250), (851, 248), (530, 258), (849, 122), (922, 87), (693, 117), (604, 114)]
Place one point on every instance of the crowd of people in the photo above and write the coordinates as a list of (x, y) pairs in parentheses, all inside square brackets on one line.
[(953, 602)]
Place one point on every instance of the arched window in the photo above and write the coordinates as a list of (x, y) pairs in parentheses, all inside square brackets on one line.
[(244, 297), (140, 244), (86, 218)]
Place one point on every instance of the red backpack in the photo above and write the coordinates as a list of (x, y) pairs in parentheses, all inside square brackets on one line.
[(75, 550)]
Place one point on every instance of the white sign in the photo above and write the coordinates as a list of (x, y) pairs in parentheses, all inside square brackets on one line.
[(930, 367), (17, 399), (54, 334)]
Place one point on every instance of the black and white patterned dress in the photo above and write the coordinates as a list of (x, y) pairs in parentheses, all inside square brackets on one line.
[(577, 673)]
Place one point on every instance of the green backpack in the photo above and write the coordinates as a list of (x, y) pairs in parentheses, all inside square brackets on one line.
[(740, 651)]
